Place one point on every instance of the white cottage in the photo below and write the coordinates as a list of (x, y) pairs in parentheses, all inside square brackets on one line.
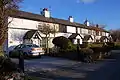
[(24, 29)]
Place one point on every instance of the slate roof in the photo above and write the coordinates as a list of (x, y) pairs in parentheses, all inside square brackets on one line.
[(38, 17), (87, 37), (29, 34), (97, 29), (73, 36), (103, 38)]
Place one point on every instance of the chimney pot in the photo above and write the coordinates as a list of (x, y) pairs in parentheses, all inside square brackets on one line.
[(97, 25), (45, 9), (70, 19), (46, 12), (87, 23)]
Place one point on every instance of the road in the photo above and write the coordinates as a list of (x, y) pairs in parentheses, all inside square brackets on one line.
[(49, 68)]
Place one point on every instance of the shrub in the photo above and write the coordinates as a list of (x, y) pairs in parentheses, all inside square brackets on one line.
[(117, 45), (112, 44), (85, 55), (61, 42), (84, 45), (7, 67), (65, 44), (101, 47), (95, 45), (71, 46), (96, 49), (101, 52), (86, 51)]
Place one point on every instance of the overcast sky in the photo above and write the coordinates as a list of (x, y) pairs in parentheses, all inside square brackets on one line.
[(104, 12)]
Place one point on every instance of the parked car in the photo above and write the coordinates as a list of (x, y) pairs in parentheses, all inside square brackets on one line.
[(27, 50)]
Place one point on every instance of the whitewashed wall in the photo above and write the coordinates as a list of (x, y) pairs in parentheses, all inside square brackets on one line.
[(51, 25), (99, 33), (107, 34), (103, 33), (90, 32), (84, 31), (23, 23), (63, 34), (18, 24), (79, 30), (50, 45), (29, 24), (97, 37), (75, 40), (16, 30), (15, 37), (93, 32), (18, 27), (71, 29)]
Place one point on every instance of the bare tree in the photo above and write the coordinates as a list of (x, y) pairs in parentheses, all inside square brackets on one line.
[(7, 7), (46, 29), (17, 36), (115, 35)]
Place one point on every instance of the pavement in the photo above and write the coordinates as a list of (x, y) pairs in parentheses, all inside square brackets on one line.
[(51, 68)]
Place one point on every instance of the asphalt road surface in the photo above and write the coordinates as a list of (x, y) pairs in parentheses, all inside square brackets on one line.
[(49, 68)]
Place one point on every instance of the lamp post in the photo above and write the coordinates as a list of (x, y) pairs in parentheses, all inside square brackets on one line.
[(21, 61)]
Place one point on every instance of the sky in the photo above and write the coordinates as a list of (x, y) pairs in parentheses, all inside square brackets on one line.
[(103, 12)]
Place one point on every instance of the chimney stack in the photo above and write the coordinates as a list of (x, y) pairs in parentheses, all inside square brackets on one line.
[(46, 13), (87, 23), (71, 19), (97, 25)]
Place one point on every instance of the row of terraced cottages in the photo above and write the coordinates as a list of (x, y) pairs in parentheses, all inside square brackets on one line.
[(24, 29)]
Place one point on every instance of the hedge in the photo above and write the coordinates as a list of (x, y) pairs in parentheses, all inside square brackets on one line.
[(117, 45)]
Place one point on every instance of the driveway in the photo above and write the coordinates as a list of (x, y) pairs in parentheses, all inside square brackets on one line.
[(49, 68)]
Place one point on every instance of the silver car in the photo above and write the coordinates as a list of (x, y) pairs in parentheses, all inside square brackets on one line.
[(27, 50)]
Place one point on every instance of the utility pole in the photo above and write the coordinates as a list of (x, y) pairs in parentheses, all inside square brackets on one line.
[(78, 51)]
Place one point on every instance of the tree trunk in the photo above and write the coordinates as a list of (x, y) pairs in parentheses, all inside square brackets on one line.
[(1, 47), (1, 51), (47, 46)]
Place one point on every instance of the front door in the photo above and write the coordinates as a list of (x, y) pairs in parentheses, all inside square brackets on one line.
[(78, 41)]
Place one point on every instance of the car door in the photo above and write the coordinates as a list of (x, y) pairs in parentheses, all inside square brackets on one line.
[(24, 48), (19, 48)]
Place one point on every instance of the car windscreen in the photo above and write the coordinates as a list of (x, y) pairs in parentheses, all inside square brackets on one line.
[(32, 45)]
